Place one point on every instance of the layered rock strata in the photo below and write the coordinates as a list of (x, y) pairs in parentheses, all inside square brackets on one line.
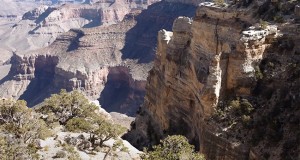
[(199, 65), (39, 27)]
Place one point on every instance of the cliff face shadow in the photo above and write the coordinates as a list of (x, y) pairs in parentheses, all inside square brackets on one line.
[(37, 91), (44, 15), (75, 41), (121, 93), (93, 23), (40, 86), (140, 41)]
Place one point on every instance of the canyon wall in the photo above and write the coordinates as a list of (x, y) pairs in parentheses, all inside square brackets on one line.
[(40, 26), (199, 66)]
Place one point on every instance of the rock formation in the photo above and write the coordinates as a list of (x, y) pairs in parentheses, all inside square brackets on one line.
[(201, 65)]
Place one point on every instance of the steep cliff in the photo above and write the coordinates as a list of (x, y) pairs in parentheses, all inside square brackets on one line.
[(209, 81)]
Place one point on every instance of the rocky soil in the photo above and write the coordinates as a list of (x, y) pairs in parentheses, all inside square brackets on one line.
[(51, 147)]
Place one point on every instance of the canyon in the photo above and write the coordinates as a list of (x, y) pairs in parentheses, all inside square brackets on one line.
[(225, 76), (114, 57)]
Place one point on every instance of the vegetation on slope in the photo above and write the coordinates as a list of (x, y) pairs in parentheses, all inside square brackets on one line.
[(174, 147), (22, 128)]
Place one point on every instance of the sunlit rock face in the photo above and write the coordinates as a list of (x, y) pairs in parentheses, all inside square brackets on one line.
[(201, 63)]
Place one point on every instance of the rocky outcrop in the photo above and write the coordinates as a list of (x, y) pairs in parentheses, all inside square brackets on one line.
[(198, 66), (143, 36), (36, 13)]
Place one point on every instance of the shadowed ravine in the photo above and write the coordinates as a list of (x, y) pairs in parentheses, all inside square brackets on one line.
[(121, 93)]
